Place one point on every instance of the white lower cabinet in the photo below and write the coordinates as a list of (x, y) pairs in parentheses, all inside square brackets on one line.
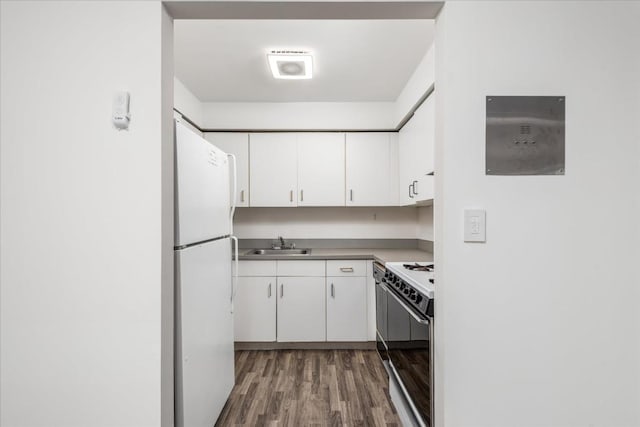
[(254, 309), (301, 309), (346, 309), (294, 301)]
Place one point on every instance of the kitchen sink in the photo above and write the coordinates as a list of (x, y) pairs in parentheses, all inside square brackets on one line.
[(280, 252)]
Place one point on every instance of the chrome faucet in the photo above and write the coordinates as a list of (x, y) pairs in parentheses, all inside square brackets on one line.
[(283, 244)]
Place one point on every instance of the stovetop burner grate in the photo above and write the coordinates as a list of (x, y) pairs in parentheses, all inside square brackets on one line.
[(418, 267)]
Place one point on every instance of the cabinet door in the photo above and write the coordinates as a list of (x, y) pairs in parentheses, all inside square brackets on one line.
[(408, 158), (254, 309), (416, 156), (301, 309), (321, 169), (237, 144), (371, 169), (425, 142), (274, 169), (347, 309)]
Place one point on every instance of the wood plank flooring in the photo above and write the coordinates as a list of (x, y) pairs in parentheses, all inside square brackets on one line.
[(309, 388)]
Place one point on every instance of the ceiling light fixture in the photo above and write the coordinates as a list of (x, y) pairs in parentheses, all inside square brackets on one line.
[(291, 64)]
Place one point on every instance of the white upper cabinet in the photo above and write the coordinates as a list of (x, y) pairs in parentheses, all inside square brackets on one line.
[(274, 169), (416, 155), (371, 169), (407, 150), (237, 144), (321, 169), (297, 169), (423, 189)]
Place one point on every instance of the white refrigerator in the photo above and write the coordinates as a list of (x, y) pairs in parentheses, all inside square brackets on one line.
[(204, 359)]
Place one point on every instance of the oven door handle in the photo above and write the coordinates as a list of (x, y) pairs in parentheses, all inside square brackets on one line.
[(416, 316)]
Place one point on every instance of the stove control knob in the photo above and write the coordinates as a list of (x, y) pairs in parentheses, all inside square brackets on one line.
[(405, 290), (418, 298)]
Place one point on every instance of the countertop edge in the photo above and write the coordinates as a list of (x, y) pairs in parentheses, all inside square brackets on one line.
[(380, 255)]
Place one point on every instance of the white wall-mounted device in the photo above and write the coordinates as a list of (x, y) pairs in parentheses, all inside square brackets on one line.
[(121, 116)]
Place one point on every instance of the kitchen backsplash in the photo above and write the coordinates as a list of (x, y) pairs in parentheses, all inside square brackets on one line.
[(333, 223)]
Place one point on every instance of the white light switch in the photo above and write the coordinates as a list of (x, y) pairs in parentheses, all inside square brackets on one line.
[(121, 116), (475, 225)]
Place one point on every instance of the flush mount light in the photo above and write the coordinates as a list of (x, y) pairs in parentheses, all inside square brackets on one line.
[(290, 64)]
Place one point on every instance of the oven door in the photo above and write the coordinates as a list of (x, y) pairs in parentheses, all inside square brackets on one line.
[(409, 342)]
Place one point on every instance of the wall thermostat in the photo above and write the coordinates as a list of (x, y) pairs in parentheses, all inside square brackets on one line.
[(121, 116)]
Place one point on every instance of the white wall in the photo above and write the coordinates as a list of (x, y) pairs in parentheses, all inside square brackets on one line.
[(83, 208), (539, 326), (298, 115), (186, 102), (167, 212), (420, 81), (425, 223), (326, 223)]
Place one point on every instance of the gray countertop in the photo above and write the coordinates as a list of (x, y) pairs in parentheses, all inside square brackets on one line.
[(381, 255)]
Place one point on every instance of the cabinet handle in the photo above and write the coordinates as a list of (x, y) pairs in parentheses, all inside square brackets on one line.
[(291, 196), (415, 192), (302, 195), (346, 269), (242, 195), (333, 292), (281, 290), (351, 195), (269, 292), (411, 191)]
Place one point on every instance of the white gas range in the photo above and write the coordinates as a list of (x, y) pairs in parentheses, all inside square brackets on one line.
[(404, 316), (414, 283), (417, 274)]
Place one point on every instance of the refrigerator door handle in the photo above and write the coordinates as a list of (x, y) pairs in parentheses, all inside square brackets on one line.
[(235, 190), (234, 279)]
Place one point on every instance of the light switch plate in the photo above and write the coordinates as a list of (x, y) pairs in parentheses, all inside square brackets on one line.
[(475, 225)]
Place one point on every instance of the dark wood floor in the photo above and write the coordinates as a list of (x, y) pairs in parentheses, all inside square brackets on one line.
[(309, 388)]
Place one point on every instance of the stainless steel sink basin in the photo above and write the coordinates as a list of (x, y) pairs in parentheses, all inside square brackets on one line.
[(280, 252)]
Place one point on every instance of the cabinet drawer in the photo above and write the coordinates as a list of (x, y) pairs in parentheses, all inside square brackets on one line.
[(256, 268), (301, 268), (348, 268)]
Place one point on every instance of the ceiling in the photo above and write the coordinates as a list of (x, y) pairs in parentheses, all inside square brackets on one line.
[(354, 60)]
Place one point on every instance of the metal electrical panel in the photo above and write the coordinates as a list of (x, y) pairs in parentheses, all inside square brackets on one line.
[(525, 135)]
